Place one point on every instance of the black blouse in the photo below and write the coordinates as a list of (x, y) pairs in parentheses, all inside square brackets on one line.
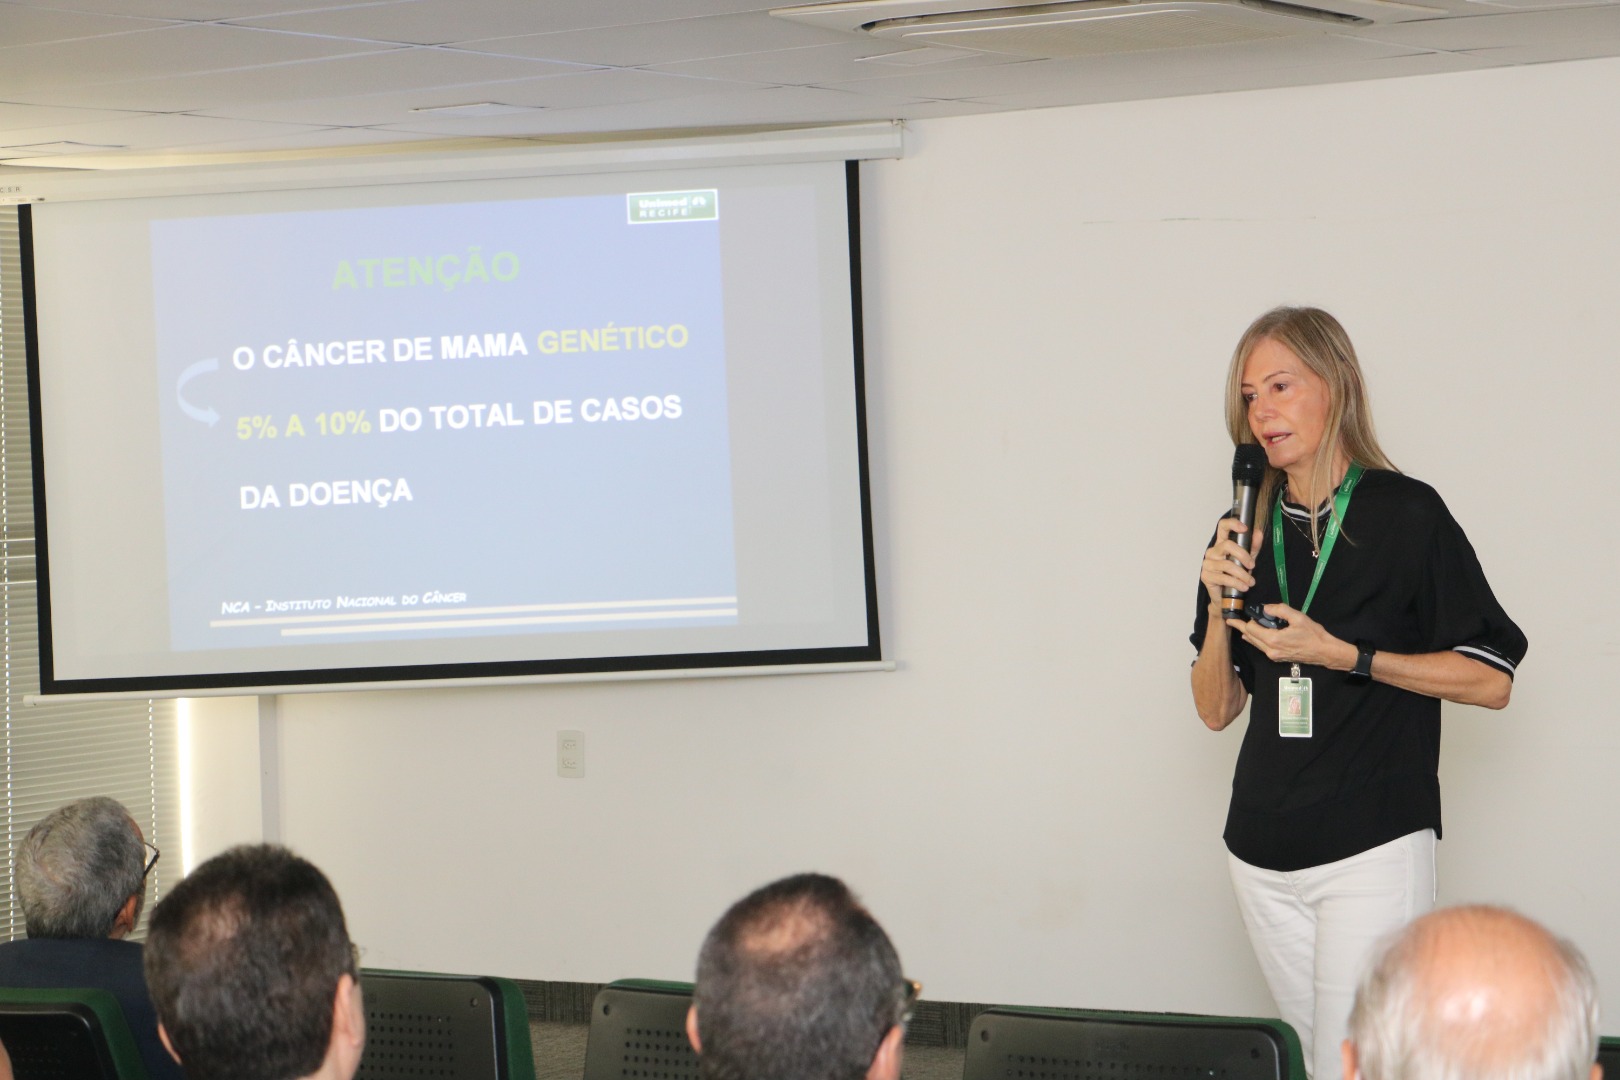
[(1404, 577)]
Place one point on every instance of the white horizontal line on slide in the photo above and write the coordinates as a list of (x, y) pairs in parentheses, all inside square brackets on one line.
[(444, 613), (532, 620)]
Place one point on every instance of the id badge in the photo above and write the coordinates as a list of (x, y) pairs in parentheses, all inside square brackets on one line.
[(1294, 708)]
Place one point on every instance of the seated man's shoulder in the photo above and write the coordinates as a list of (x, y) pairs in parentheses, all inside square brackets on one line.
[(45, 962)]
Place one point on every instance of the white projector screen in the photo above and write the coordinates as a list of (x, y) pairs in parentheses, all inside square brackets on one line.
[(463, 429)]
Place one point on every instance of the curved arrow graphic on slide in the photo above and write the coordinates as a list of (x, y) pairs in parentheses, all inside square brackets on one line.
[(201, 367)]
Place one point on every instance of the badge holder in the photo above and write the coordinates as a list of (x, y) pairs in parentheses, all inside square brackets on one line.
[(1294, 705)]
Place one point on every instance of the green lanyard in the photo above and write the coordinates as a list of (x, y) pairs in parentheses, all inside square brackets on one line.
[(1341, 503)]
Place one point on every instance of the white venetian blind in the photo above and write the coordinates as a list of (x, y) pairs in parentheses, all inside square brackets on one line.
[(52, 754)]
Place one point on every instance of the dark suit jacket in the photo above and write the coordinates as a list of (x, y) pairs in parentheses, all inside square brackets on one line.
[(100, 964)]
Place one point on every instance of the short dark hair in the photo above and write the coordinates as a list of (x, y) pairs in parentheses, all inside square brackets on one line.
[(77, 867), (243, 959), (796, 982)]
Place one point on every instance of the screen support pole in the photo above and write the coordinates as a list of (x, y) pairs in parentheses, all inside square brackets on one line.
[(269, 768)]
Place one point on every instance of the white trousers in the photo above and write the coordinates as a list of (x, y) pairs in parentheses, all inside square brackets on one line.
[(1314, 929)]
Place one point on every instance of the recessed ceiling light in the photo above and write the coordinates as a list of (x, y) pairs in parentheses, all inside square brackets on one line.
[(477, 108)]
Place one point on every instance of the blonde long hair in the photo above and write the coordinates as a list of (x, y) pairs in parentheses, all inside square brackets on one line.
[(1321, 343)]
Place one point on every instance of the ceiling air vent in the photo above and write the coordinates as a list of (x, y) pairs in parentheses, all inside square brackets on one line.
[(1094, 27)]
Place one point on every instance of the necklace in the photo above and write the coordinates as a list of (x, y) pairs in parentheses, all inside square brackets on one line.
[(1316, 552)]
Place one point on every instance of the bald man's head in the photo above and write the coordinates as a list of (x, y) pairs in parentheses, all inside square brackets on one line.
[(798, 982), (1480, 993)]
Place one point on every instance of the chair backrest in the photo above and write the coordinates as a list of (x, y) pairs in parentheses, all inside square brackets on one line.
[(68, 1034), (1073, 1044), (1609, 1056), (638, 1032), (425, 1025)]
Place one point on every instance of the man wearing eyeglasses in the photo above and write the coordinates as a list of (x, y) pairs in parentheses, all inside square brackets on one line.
[(81, 879), (797, 981)]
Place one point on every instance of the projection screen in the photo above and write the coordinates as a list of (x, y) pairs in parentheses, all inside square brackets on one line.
[(447, 430)]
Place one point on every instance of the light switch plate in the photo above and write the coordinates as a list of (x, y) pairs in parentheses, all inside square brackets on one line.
[(571, 755)]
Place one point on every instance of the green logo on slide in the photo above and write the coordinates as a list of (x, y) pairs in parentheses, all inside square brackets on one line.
[(656, 207)]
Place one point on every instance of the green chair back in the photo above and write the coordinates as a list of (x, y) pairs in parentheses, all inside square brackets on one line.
[(422, 1024), (638, 1031), (68, 1035), (1075, 1044), (1609, 1057)]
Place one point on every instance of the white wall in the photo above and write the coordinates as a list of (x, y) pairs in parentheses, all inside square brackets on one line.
[(220, 788), (1029, 803)]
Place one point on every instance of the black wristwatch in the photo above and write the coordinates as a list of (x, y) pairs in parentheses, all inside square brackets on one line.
[(1362, 672)]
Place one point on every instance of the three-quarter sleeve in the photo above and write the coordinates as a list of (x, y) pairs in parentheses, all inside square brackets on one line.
[(1456, 608)]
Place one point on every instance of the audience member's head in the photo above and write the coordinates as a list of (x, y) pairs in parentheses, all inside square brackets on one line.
[(1475, 993), (81, 872), (798, 982), (251, 970)]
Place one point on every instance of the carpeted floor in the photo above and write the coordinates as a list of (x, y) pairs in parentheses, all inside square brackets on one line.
[(559, 1054), (559, 1050), (932, 1063)]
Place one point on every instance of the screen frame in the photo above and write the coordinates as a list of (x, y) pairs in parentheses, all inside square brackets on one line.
[(461, 673)]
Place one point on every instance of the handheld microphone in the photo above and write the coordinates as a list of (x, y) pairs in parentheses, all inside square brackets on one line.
[(1248, 469)]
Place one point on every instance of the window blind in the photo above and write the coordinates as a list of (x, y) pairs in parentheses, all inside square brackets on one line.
[(53, 754)]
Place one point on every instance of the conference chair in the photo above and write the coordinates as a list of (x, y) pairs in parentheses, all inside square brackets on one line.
[(420, 1024), (1073, 1044), (80, 1034), (1609, 1056), (638, 1032)]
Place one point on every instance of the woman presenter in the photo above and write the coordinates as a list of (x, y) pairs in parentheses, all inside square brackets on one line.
[(1336, 799)]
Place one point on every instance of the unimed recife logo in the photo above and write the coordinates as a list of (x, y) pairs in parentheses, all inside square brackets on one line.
[(655, 207)]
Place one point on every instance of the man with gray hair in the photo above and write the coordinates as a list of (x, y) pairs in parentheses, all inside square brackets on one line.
[(81, 881), (1475, 993)]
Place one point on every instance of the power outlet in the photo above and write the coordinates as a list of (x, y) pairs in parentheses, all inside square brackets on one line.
[(571, 755)]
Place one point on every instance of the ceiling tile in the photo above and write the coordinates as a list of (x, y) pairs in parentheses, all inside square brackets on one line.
[(1214, 81), (148, 133), (1501, 30), (189, 10), (521, 126), (931, 110), (1038, 78), (15, 117), (1547, 52), (663, 42), (772, 105), (611, 87), (1530, 5), (1429, 63), (363, 110), (312, 139), (430, 75), (598, 87), (816, 64), (22, 26), (21, 153), (369, 110), (1168, 65), (419, 22), (289, 74), (981, 83), (33, 73), (437, 22)]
